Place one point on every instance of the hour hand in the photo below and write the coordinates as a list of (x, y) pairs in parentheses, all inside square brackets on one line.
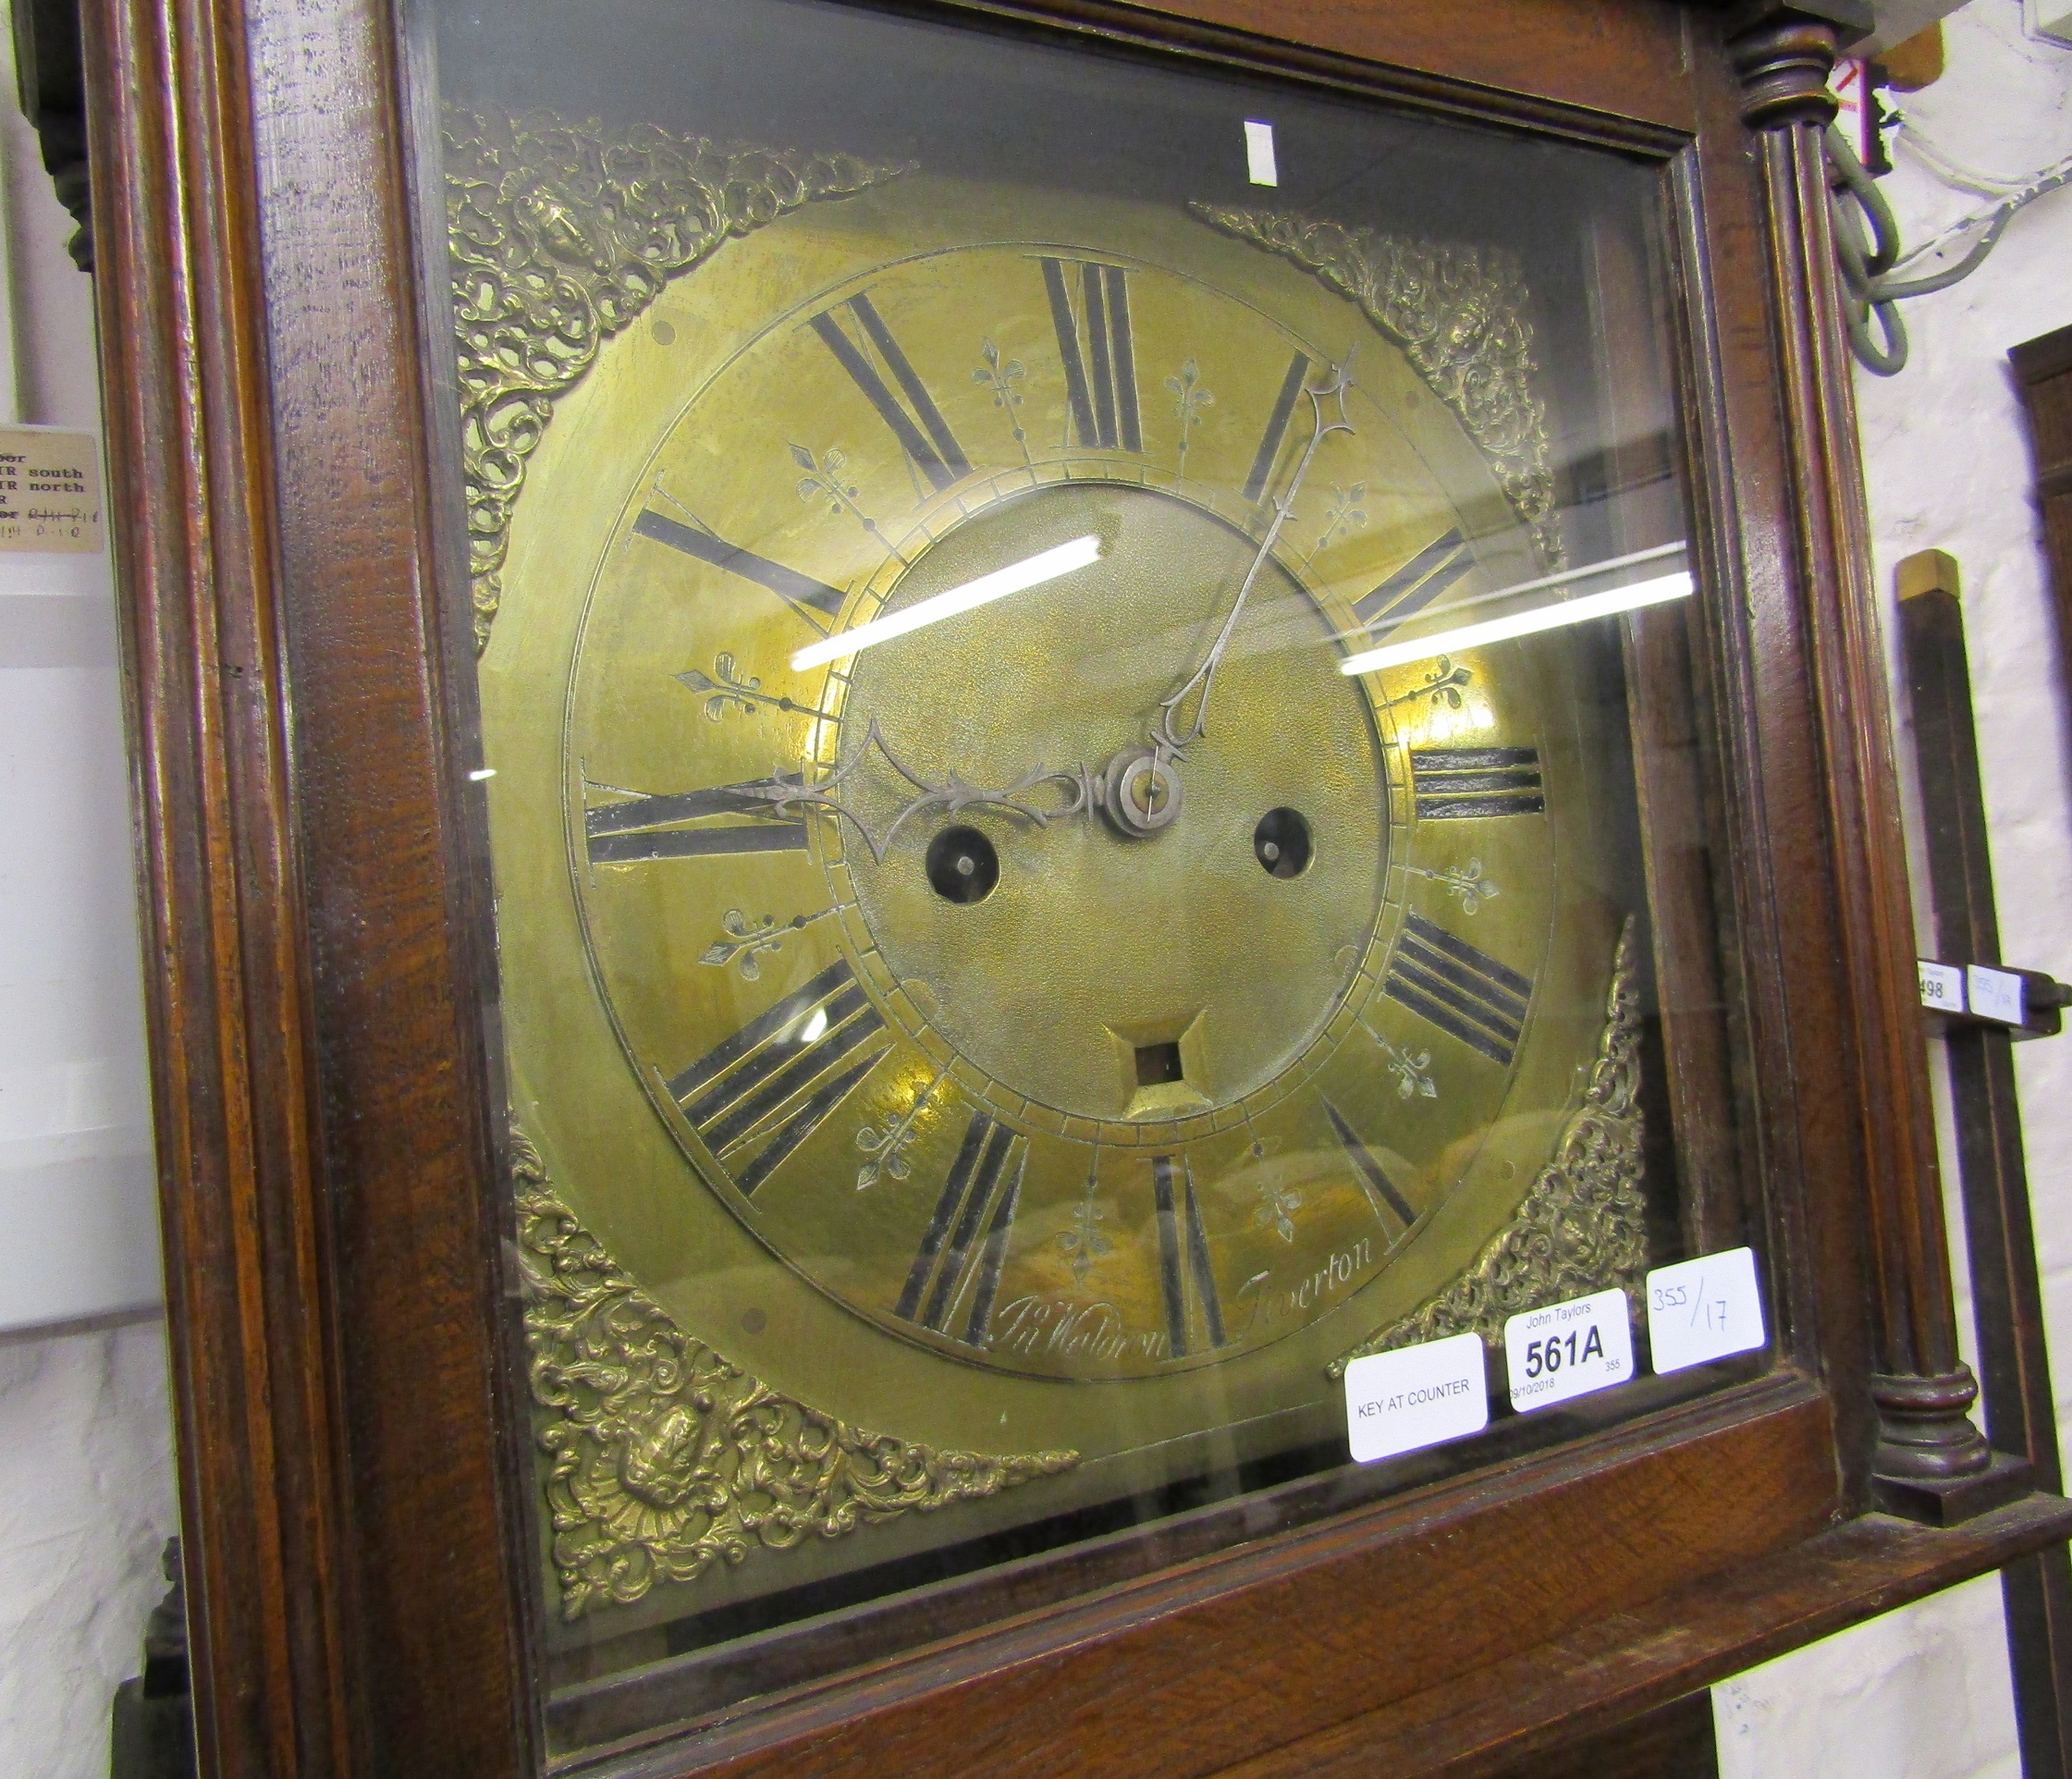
[(1039, 796)]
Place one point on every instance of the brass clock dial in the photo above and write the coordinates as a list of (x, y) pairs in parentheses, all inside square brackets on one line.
[(1090, 984)]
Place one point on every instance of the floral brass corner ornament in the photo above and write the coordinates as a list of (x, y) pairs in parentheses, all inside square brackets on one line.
[(560, 235), (1583, 1227), (1459, 314), (665, 1457)]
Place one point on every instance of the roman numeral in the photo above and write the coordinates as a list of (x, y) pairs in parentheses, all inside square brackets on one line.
[(801, 592), (643, 828), (1466, 783), (802, 1045), (1183, 1268), (1415, 585), (919, 426), (1277, 428), (1101, 384), (1466, 993), (1380, 1189), (954, 1254)]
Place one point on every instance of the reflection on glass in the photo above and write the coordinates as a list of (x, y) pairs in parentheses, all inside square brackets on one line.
[(1535, 619), (974, 1096), (1047, 565)]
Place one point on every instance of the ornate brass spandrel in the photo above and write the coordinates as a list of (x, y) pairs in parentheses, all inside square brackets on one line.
[(665, 1457), (1582, 1227), (562, 233), (1460, 315)]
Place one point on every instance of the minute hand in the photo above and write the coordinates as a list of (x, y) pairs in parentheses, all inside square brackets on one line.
[(1167, 735)]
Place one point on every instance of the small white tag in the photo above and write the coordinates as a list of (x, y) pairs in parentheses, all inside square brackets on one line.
[(1258, 152), (50, 491), (1568, 1350), (1942, 986), (1996, 994), (1415, 1396), (1704, 1310)]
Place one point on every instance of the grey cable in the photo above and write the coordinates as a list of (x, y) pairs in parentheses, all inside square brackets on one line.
[(1867, 247)]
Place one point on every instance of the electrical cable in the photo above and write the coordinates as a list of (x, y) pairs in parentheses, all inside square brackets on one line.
[(1866, 242)]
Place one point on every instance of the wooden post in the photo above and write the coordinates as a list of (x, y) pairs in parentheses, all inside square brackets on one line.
[(1931, 1463), (2020, 1412)]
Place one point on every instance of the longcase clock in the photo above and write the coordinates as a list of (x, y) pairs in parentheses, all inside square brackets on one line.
[(904, 769)]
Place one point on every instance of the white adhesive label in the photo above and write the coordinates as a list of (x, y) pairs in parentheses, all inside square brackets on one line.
[(1258, 154), (1996, 994), (1942, 986), (1415, 1396), (1704, 1310), (50, 491), (1568, 1350)]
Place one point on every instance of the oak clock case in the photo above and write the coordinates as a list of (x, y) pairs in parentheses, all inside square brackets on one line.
[(974, 1087)]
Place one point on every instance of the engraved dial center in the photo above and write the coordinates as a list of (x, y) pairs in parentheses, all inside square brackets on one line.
[(1107, 939)]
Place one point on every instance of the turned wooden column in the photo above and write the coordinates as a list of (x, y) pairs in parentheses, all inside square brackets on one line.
[(1931, 1462)]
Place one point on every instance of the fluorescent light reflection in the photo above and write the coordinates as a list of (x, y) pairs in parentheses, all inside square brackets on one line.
[(1568, 577), (1524, 623), (1015, 578)]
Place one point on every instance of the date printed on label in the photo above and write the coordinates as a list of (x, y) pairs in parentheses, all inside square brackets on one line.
[(1568, 1350)]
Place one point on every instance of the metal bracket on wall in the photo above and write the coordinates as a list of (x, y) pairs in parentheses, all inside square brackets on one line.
[(2020, 1415)]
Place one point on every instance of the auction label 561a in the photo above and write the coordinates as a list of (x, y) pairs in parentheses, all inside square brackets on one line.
[(1568, 1350)]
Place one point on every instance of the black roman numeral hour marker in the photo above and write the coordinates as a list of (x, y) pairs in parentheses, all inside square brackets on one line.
[(1277, 428), (1183, 1268), (1100, 383), (955, 1257), (801, 592), (645, 828), (802, 1045), (1466, 783), (1380, 1189), (1415, 585), (1466, 993), (919, 426)]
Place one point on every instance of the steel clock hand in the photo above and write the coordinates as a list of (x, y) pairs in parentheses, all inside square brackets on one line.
[(787, 794), (1169, 739), (1139, 788)]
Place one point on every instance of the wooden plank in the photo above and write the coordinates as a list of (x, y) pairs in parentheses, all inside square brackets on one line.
[(1634, 60), (1619, 1667), (2006, 1289), (262, 1496), (1673, 1741), (2043, 372), (1223, 1659)]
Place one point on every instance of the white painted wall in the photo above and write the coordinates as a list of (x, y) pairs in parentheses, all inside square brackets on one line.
[(77, 1181), (86, 1488), (1946, 450)]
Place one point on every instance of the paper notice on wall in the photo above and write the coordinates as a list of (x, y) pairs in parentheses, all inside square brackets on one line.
[(50, 492)]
